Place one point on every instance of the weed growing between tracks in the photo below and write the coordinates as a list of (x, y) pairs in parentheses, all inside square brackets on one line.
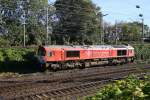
[(8, 74), (131, 88)]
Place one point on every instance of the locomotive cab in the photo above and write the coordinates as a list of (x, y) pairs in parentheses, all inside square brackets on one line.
[(44, 54), (41, 53)]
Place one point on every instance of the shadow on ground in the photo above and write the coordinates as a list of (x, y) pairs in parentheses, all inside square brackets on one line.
[(22, 67)]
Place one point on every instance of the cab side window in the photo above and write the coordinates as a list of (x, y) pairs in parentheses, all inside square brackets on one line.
[(121, 52), (50, 54)]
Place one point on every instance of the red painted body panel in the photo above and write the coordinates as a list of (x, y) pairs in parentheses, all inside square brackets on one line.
[(56, 54), (113, 53), (130, 53), (86, 54), (101, 54)]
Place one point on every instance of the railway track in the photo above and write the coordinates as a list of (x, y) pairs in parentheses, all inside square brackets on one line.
[(70, 92), (59, 77), (52, 76), (64, 86)]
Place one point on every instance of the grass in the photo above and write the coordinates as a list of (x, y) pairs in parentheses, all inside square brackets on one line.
[(9, 74)]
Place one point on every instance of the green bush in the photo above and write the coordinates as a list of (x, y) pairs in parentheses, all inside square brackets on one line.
[(15, 54), (4, 42), (129, 89), (17, 60), (142, 52), (1, 56)]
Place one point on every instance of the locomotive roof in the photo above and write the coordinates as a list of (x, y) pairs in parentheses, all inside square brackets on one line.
[(89, 46), (119, 46), (77, 46)]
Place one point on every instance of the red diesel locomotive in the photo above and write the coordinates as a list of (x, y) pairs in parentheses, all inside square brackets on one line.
[(60, 57)]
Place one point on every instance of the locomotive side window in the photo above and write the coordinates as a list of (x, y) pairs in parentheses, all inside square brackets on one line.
[(121, 52), (72, 53)]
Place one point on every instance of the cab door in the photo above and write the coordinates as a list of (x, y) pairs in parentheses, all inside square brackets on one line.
[(62, 55)]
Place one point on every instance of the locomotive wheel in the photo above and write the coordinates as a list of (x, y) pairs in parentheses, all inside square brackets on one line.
[(115, 63), (126, 60), (121, 63), (110, 62), (82, 66), (43, 67), (132, 60)]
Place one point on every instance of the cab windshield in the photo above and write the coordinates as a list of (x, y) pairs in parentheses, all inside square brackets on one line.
[(41, 52)]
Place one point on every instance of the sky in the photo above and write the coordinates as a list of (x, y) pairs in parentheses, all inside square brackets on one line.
[(124, 10)]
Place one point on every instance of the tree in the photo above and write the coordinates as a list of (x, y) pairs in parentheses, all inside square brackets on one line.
[(12, 15), (78, 22), (127, 31), (131, 31)]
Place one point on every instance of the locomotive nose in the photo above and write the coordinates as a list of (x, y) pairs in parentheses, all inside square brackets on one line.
[(41, 59)]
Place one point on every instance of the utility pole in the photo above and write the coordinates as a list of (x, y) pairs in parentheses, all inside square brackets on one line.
[(142, 18), (103, 33), (102, 27), (142, 30), (24, 28), (116, 34), (1, 19), (24, 21), (47, 29), (48, 25), (101, 36)]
